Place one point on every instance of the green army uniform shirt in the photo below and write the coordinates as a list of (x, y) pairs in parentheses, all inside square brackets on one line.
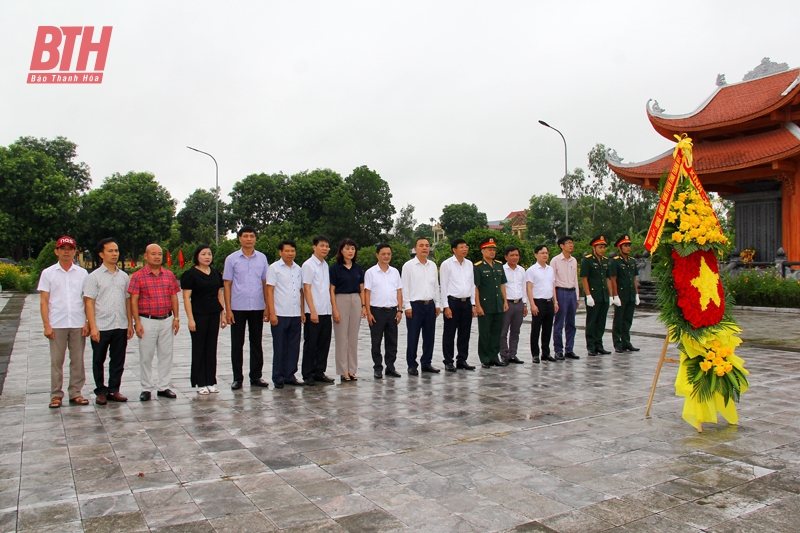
[(488, 280), (626, 272), (596, 270)]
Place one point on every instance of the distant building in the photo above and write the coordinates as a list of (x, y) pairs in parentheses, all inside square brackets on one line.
[(518, 223)]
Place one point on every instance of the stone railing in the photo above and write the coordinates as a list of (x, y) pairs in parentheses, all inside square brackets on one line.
[(782, 267)]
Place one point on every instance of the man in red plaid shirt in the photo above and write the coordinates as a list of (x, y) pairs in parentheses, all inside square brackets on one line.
[(154, 305)]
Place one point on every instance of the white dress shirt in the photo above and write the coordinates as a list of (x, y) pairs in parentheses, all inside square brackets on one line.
[(66, 295), (109, 292), (382, 286), (317, 274), (458, 280), (420, 282), (543, 280), (288, 282), (515, 286)]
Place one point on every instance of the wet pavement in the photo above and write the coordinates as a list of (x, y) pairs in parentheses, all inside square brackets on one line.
[(559, 447)]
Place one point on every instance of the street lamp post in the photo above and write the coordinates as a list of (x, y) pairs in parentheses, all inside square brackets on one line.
[(216, 193), (566, 172)]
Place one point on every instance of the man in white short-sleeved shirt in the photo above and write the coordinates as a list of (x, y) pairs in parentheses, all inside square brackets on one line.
[(285, 304), (383, 297)]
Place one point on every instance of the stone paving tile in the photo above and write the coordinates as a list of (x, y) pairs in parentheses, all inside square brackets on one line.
[(556, 447)]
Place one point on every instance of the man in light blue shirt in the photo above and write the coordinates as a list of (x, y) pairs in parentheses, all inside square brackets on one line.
[(285, 305), (245, 305)]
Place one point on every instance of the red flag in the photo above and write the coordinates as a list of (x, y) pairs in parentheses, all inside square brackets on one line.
[(181, 262), (169, 259), (133, 264)]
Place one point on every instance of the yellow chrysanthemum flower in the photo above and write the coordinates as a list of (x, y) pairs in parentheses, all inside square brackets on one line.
[(677, 236), (718, 370), (705, 365)]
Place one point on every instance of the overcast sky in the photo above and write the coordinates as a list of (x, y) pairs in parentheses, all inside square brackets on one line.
[(441, 98)]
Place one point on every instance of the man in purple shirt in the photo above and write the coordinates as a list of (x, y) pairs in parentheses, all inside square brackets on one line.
[(244, 280)]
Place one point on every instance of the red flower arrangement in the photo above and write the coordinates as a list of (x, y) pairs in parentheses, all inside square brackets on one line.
[(701, 297)]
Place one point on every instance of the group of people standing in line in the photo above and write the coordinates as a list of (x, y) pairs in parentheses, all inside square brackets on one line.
[(322, 301)]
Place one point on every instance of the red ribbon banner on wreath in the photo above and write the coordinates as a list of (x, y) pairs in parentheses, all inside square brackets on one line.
[(701, 296)]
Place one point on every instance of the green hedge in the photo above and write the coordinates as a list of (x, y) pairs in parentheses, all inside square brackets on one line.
[(762, 288)]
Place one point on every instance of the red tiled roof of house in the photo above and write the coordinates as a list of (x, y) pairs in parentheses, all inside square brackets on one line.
[(512, 214), (720, 156), (732, 104)]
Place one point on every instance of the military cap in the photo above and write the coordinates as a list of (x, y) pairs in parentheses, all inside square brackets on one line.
[(622, 240), (488, 242), (600, 239)]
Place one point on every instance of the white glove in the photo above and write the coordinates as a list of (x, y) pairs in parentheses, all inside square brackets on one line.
[(637, 300), (589, 301), (616, 301)]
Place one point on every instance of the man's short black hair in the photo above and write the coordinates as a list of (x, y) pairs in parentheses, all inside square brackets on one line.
[(381, 246), (247, 229), (563, 239), (287, 242), (320, 238), (101, 246), (539, 249), (455, 242), (421, 239), (509, 249)]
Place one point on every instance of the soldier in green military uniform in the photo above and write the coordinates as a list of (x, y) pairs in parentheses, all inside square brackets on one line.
[(597, 288), (491, 303), (622, 270)]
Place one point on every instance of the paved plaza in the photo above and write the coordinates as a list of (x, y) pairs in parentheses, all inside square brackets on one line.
[(556, 447)]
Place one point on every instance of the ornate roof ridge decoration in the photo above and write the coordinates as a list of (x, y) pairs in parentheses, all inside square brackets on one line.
[(657, 111), (794, 128), (616, 160), (765, 68)]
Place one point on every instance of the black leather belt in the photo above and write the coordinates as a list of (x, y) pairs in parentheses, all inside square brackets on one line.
[(518, 300), (457, 298), (542, 299), (392, 309), (565, 289), (422, 302), (154, 317)]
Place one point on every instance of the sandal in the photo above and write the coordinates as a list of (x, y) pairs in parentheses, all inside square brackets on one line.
[(345, 378), (213, 388), (55, 403), (353, 377), (79, 400), (203, 391)]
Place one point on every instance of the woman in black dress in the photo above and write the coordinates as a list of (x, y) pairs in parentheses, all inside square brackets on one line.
[(202, 298)]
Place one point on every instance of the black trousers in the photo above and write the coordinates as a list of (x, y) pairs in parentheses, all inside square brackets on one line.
[(385, 327), (285, 348), (422, 322), (204, 349), (544, 322), (461, 322), (254, 322), (316, 345), (114, 342)]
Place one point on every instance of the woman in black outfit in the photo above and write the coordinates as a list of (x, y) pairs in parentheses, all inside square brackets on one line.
[(202, 298)]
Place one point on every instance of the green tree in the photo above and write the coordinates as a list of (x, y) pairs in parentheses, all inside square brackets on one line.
[(400, 254), (134, 208), (457, 219), (63, 153), (260, 200), (197, 218), (423, 230), (545, 220), (373, 205), (37, 202), (305, 199), (404, 225), (339, 210)]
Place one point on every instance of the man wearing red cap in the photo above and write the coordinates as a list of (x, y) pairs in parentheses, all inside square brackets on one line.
[(64, 319), (624, 294), (597, 288), (491, 303)]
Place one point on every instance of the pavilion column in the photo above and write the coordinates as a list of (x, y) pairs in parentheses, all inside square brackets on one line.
[(791, 215)]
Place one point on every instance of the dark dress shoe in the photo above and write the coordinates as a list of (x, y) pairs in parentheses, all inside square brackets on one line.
[(393, 373), (310, 382), (450, 368), (144, 396), (413, 372), (259, 383), (430, 370), (593, 353), (484, 365), (633, 349), (571, 355), (100, 399), (536, 359), (166, 393), (559, 357), (619, 350), (498, 363), (324, 379), (603, 351), (377, 374), (516, 361), (295, 383), (278, 384), (465, 366), (548, 358), (116, 397), (236, 385)]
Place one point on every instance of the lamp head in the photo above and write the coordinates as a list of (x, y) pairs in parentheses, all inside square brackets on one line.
[(543, 123)]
